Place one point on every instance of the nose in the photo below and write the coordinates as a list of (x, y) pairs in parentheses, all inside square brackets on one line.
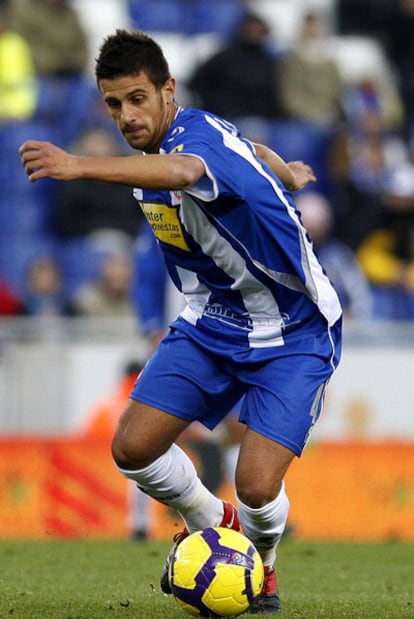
[(127, 113)]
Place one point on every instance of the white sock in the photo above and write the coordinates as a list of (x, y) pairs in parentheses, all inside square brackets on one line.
[(265, 526), (172, 479)]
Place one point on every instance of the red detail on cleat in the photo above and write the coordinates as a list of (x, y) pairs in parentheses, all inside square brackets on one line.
[(230, 517), (230, 521), (269, 582)]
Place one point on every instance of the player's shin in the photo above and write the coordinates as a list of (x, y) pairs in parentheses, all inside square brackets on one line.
[(172, 479)]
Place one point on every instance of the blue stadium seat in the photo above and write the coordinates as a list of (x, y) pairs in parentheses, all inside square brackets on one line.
[(17, 252), (79, 261), (159, 15), (62, 104), (22, 215), (216, 16)]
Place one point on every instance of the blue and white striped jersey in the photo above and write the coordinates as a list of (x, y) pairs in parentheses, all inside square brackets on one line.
[(234, 244)]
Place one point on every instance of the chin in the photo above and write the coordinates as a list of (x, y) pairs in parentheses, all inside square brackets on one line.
[(137, 144)]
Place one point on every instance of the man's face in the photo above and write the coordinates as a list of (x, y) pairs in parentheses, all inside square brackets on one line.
[(141, 112)]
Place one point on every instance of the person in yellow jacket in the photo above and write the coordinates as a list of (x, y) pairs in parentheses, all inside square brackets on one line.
[(18, 82), (386, 254)]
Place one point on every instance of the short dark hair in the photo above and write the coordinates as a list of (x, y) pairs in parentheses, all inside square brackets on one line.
[(129, 53)]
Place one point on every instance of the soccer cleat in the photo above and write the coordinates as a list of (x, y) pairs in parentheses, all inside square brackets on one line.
[(268, 600), (230, 521)]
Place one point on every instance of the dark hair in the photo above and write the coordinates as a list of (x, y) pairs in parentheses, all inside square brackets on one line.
[(129, 53)]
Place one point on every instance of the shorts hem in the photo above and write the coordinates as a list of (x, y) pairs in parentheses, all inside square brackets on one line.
[(170, 411), (279, 439)]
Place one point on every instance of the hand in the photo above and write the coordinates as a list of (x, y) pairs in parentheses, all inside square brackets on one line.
[(45, 160), (302, 175)]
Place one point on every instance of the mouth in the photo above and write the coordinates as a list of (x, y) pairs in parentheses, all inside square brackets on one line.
[(133, 132)]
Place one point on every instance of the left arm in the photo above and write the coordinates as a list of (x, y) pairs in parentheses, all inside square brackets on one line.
[(294, 175)]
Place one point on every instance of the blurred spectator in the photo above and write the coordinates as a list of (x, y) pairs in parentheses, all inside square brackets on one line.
[(18, 83), (238, 81), (337, 258), (96, 210), (399, 45), (372, 94), (386, 254), (100, 423), (368, 147), (55, 34), (308, 77), (60, 51), (101, 419), (391, 22), (374, 12), (10, 302), (109, 296), (44, 290)]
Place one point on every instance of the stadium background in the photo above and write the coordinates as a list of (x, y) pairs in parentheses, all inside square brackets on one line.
[(356, 480)]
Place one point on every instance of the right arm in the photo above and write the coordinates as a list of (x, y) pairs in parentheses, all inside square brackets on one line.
[(45, 160)]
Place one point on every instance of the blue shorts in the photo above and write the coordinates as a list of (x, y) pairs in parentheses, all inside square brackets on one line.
[(283, 390)]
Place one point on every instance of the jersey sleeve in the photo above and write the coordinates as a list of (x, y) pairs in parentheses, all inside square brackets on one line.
[(223, 152)]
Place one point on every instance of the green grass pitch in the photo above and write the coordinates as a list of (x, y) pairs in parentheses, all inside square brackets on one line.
[(105, 580)]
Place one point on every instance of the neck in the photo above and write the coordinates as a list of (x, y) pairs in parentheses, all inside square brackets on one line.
[(169, 119)]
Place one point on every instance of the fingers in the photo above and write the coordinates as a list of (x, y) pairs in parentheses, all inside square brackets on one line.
[(31, 163), (305, 167), (29, 145), (32, 159), (303, 173)]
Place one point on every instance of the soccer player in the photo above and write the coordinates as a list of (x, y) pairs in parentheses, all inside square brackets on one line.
[(262, 320)]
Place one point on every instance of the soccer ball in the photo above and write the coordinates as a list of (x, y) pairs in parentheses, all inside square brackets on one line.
[(216, 572)]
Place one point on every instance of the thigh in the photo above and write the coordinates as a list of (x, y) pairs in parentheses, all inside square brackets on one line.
[(187, 381), (284, 399)]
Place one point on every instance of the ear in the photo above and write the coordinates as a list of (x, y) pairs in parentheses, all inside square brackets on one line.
[(169, 89)]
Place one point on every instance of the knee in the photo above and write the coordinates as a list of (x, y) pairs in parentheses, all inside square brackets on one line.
[(254, 495), (128, 453)]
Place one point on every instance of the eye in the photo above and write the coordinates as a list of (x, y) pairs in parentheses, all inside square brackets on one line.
[(113, 104)]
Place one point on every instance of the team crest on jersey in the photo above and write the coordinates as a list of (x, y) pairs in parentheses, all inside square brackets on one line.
[(165, 224), (176, 197), (177, 149)]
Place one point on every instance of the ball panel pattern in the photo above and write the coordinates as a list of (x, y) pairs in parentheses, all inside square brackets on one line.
[(216, 572)]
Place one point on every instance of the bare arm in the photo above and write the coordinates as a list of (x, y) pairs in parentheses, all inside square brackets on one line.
[(294, 175), (45, 160)]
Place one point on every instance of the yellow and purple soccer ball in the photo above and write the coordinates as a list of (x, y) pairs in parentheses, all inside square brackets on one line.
[(216, 572)]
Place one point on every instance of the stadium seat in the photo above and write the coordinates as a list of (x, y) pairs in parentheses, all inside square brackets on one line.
[(23, 214), (79, 261), (216, 16), (62, 104), (159, 15), (12, 135), (18, 252)]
